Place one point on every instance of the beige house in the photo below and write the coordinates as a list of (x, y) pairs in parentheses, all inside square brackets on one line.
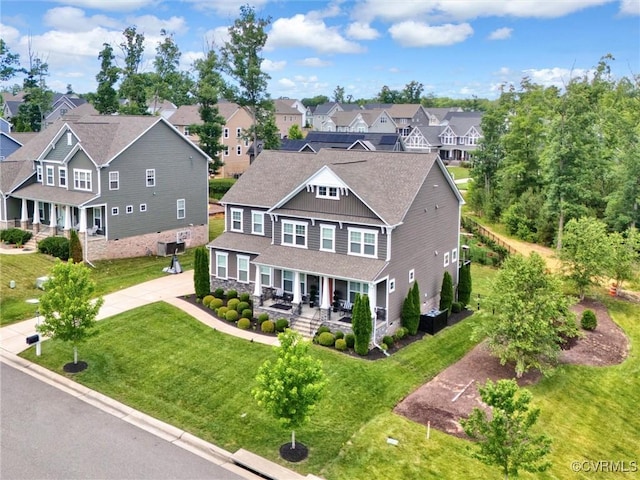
[(287, 116)]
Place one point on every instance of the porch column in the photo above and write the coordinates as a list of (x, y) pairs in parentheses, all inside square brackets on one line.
[(52, 215), (36, 212), (24, 211), (83, 219), (297, 293), (257, 291), (372, 299), (326, 299), (67, 217)]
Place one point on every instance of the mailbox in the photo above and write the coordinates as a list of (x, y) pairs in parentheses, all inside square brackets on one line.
[(33, 339)]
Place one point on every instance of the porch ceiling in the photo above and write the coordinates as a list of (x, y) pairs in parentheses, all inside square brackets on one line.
[(44, 193), (322, 263)]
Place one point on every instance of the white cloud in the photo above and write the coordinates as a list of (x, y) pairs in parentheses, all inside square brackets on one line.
[(271, 66), (362, 31), (314, 62), (304, 31), (305, 80), (501, 34), (503, 72), (394, 70), (225, 8), (188, 58), (71, 19), (217, 37), (558, 77), (286, 83), (629, 7), (110, 5), (151, 25), (417, 34), (9, 34)]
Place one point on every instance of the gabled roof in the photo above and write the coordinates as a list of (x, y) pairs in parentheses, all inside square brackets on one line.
[(13, 106), (345, 119), (324, 108), (404, 110), (318, 140), (461, 122), (186, 115), (431, 134), (284, 107), (11, 170), (275, 175)]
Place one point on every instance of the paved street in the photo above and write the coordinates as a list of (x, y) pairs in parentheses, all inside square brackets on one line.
[(48, 434)]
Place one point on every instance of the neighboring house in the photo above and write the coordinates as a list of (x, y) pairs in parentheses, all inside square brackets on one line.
[(338, 223), (61, 105), (10, 142), (460, 135), (5, 125), (286, 116), (321, 113), (165, 108), (424, 139), (184, 117), (314, 141), (128, 184), (436, 115), (360, 121)]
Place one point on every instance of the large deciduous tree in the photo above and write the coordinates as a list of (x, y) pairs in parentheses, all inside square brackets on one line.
[(527, 316), (412, 92), (106, 98), (290, 387), (625, 254), (505, 438), (9, 62), (132, 87), (38, 98), (67, 304)]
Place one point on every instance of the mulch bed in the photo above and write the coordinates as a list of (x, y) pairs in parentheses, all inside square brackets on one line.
[(294, 454), (75, 367), (434, 401)]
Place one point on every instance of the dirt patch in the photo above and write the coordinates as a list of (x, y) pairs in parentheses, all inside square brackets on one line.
[(453, 393)]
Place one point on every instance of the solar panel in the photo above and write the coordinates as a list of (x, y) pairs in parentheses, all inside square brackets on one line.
[(388, 140)]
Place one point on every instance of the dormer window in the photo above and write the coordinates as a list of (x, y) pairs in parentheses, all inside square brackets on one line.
[(328, 192)]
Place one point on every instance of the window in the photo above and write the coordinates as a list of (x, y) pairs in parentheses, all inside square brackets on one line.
[(327, 238), (236, 220), (114, 180), (41, 210), (412, 275), (392, 285), (363, 242), (221, 264), (69, 137), (181, 208), (115, 211), (246, 142), (287, 281), (82, 180), (62, 176), (226, 150), (327, 192), (257, 223), (143, 207), (238, 132), (186, 131), (383, 119), (243, 269), (449, 138), (239, 150), (50, 172), (357, 287), (129, 209), (151, 177), (294, 233), (446, 259), (454, 255), (226, 133), (39, 173), (265, 276)]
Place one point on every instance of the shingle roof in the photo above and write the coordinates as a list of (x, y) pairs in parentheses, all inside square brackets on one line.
[(403, 110), (461, 122), (323, 108), (284, 107), (318, 140), (431, 133), (186, 115), (276, 174)]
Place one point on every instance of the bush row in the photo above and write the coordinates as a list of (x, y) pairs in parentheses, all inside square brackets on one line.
[(55, 246), (15, 236)]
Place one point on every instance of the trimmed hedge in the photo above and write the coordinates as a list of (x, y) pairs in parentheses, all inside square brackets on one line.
[(268, 326), (243, 306), (247, 313), (341, 344), (282, 324), (232, 316), (218, 293), (55, 246), (263, 317), (15, 236), (326, 339), (232, 294), (233, 303), (222, 312), (244, 324), (245, 297), (206, 300)]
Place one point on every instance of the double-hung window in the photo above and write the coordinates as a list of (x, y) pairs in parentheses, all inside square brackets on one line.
[(243, 269), (150, 177), (39, 173), (287, 281), (50, 178), (62, 176), (363, 242), (236, 220), (181, 208), (328, 238), (82, 180), (114, 180), (328, 192), (221, 264), (294, 234), (265, 276), (257, 223), (357, 287)]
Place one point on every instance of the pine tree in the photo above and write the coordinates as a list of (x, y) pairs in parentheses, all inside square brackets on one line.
[(201, 273), (361, 323), (446, 293), (410, 317), (464, 286), (75, 247)]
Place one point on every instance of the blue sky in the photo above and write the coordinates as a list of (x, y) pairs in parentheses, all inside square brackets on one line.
[(455, 48)]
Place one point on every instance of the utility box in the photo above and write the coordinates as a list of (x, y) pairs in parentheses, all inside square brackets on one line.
[(166, 249), (433, 321)]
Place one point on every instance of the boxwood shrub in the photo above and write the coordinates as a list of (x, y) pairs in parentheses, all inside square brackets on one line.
[(15, 236), (206, 300), (263, 317), (388, 341), (233, 303), (400, 333), (232, 316), (456, 307), (350, 338), (589, 320), (282, 324), (222, 312), (341, 344), (322, 329), (326, 339), (55, 246), (247, 313), (218, 293), (339, 335), (245, 297), (242, 305), (244, 323), (268, 326), (216, 303), (232, 294)]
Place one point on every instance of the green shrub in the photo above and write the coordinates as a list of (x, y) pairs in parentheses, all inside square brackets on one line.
[(322, 329), (326, 339), (350, 338), (384, 347), (232, 315), (400, 333), (464, 285), (456, 307), (247, 313), (233, 304), (245, 297), (268, 326), (216, 303), (75, 247), (282, 324), (222, 312), (589, 320), (339, 335), (242, 305), (263, 317), (446, 292), (55, 246), (244, 323), (232, 294), (207, 300), (341, 344), (219, 186), (15, 236), (218, 293), (201, 278), (388, 340)]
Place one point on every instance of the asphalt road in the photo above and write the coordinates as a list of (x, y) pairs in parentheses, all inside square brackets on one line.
[(48, 434)]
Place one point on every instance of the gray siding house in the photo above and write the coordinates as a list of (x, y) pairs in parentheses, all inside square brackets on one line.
[(125, 183), (339, 222)]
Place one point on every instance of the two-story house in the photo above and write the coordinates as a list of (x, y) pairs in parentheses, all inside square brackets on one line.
[(287, 115), (125, 183), (315, 141), (460, 135), (339, 223)]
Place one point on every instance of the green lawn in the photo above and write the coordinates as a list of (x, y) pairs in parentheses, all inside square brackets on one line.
[(109, 275), (458, 172)]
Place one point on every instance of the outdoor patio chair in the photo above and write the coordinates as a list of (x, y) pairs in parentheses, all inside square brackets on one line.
[(347, 306), (279, 295)]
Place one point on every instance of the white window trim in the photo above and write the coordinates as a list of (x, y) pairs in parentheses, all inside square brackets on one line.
[(362, 243), (180, 201), (238, 150), (226, 150), (77, 180), (237, 210), (270, 273), (454, 255), (150, 177), (294, 223), (327, 192), (117, 181), (333, 238), (253, 223), (412, 275), (143, 207), (446, 259), (238, 132), (115, 211), (225, 133), (62, 179), (224, 255), (50, 175), (248, 270), (128, 209), (392, 285), (69, 136), (39, 173)]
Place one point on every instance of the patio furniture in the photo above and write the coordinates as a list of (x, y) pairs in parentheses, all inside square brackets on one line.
[(279, 295), (347, 307)]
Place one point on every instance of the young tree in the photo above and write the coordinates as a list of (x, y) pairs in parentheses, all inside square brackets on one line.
[(625, 254), (417, 300), (464, 285), (75, 248), (586, 252), (446, 292), (295, 133), (361, 323), (37, 98), (241, 60), (412, 92), (106, 99), (132, 88), (67, 304), (338, 94), (410, 316), (530, 316), (201, 273), (506, 440), (207, 92), (290, 387)]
